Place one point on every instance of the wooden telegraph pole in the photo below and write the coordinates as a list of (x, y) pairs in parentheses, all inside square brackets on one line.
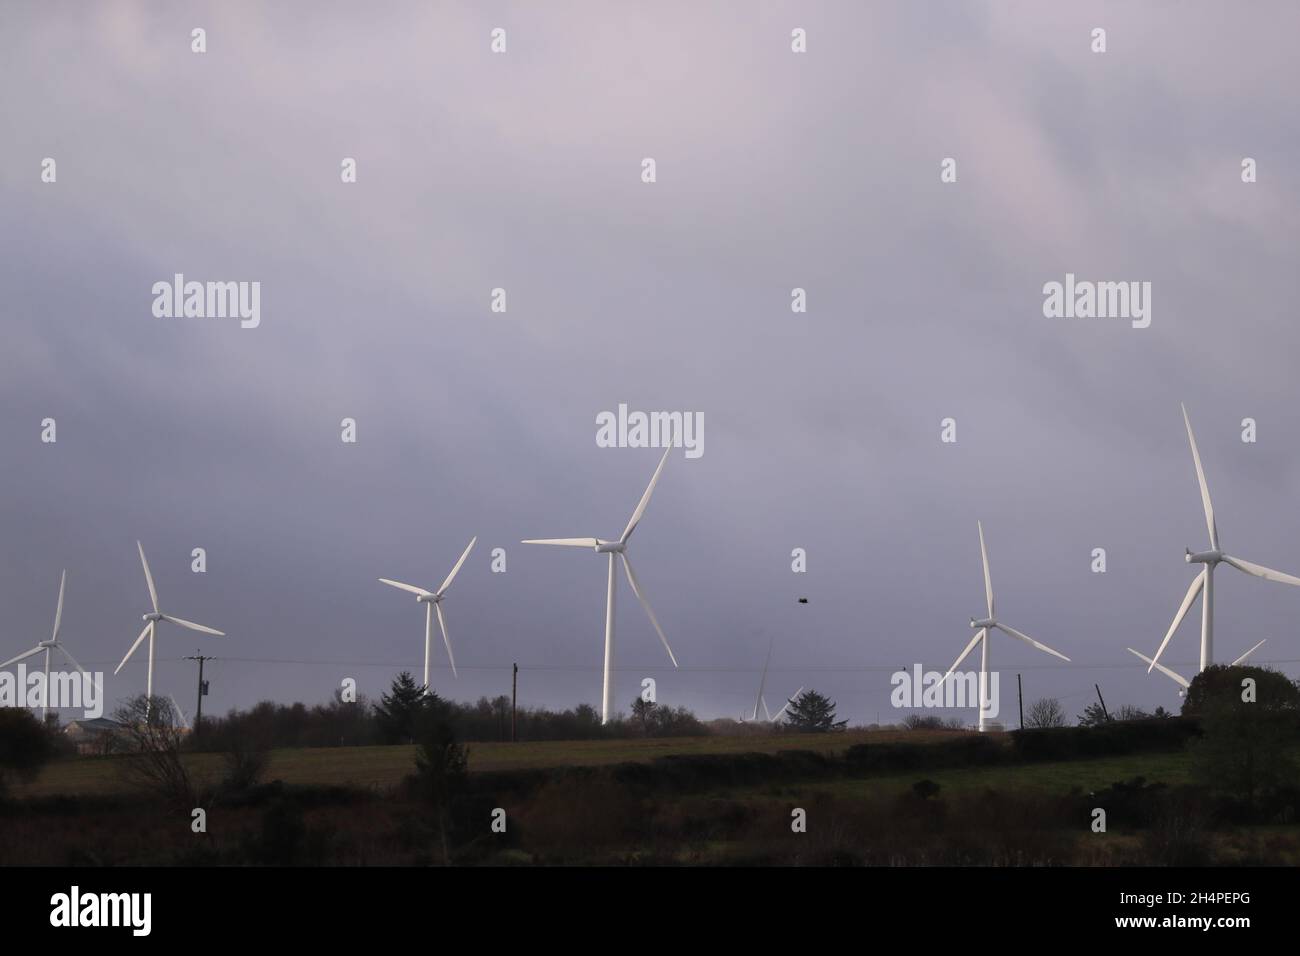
[(203, 689), (1020, 695), (1104, 712)]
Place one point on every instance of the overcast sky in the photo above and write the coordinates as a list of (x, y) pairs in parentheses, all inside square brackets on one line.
[(522, 170)]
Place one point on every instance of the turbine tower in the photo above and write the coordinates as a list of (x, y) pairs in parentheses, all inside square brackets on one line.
[(48, 647), (618, 550), (151, 625), (1203, 583), (761, 700), (432, 601), (982, 628)]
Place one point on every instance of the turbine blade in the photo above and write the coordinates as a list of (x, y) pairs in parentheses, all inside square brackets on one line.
[(23, 656), (1243, 657), (148, 578), (451, 577), (406, 587), (988, 582), (73, 661), (192, 626), (1030, 641), (185, 721), (58, 611), (790, 700), (1192, 591), (565, 542), (442, 625), (1260, 571), (143, 635), (762, 683), (962, 656), (1162, 669), (1205, 489), (645, 498), (636, 589)]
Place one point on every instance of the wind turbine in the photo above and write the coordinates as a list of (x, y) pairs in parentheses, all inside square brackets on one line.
[(761, 700), (1203, 583), (618, 549), (151, 626), (1179, 678), (48, 647), (179, 714), (433, 602), (983, 626)]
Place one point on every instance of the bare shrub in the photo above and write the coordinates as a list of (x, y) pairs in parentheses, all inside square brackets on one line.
[(151, 742)]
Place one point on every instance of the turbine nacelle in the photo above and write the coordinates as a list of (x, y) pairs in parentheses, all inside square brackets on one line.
[(1203, 557), (986, 622), (155, 616), (610, 547), (428, 598)]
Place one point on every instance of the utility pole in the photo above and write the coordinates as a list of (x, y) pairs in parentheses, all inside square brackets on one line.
[(203, 689), (1104, 712), (1020, 695), (514, 694)]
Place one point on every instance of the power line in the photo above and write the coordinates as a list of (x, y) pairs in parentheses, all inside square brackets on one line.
[(711, 669)]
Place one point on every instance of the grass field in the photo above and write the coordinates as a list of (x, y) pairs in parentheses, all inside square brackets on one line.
[(383, 767), (1059, 777), (386, 766)]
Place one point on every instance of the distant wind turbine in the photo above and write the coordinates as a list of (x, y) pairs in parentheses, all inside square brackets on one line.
[(151, 625), (760, 700), (981, 637), (48, 646), (432, 600), (618, 549), (1203, 584), (180, 714)]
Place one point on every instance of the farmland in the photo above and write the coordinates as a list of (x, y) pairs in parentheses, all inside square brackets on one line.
[(383, 767)]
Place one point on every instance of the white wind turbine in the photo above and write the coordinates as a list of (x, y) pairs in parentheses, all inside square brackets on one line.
[(761, 700), (151, 625), (179, 714), (1179, 678), (49, 646), (981, 637), (433, 603), (618, 549), (1203, 584)]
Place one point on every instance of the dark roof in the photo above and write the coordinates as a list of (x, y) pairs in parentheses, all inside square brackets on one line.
[(94, 724)]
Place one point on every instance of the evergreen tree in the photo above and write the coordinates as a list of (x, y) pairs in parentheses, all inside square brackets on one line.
[(813, 713), (441, 762), (1093, 716), (396, 711)]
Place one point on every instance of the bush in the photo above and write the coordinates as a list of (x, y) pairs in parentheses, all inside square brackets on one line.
[(25, 745), (1104, 740), (969, 750)]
